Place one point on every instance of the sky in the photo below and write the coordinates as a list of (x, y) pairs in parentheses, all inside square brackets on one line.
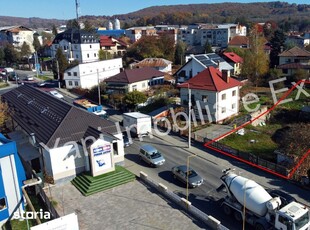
[(65, 9)]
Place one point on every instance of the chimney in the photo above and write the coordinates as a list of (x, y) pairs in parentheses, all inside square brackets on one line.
[(226, 75), (218, 65), (33, 138)]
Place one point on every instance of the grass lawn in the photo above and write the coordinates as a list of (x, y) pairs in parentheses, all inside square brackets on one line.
[(22, 224), (44, 77), (3, 84), (263, 147)]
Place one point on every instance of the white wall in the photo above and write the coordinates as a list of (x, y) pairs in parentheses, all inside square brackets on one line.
[(139, 86), (90, 52), (65, 162), (10, 182), (86, 74), (214, 102)]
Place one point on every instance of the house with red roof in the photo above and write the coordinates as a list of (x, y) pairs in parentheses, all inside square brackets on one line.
[(234, 60), (139, 79), (115, 47), (160, 64), (239, 42), (214, 95)]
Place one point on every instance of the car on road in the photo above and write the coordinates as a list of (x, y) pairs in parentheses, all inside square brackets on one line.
[(151, 155), (183, 174), (284, 197), (48, 83), (29, 78), (56, 94)]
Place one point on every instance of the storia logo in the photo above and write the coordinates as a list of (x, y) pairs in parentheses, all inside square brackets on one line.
[(32, 215)]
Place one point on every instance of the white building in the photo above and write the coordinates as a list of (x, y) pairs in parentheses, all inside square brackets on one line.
[(77, 45), (214, 95), (17, 35), (216, 35), (87, 75), (135, 33), (197, 63), (70, 140)]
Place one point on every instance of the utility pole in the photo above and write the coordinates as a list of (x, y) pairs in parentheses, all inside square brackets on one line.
[(99, 93), (189, 115), (57, 64)]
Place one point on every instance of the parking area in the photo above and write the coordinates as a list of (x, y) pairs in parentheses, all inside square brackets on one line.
[(130, 206)]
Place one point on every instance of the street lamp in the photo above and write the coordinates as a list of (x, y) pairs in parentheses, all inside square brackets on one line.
[(99, 93), (189, 114)]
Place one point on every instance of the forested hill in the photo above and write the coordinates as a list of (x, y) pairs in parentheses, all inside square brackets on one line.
[(220, 13), (288, 15)]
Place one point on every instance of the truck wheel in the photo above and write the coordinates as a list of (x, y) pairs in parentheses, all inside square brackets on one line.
[(238, 216), (259, 227), (227, 209)]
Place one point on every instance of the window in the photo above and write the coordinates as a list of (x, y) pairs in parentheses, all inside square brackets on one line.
[(70, 83), (88, 55), (75, 74), (2, 203), (234, 93), (143, 84), (204, 98), (69, 73), (76, 83), (95, 55), (76, 56), (134, 87), (223, 109), (75, 46), (285, 71), (224, 96), (89, 46), (233, 106)]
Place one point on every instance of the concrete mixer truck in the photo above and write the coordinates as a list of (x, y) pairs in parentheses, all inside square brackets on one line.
[(247, 200)]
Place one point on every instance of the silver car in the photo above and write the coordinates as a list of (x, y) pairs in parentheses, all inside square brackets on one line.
[(180, 173), (151, 155)]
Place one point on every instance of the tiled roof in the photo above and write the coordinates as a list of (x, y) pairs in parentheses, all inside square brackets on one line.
[(210, 79), (52, 119), (239, 41), (153, 62), (135, 75), (293, 66), (295, 52), (233, 57), (106, 41)]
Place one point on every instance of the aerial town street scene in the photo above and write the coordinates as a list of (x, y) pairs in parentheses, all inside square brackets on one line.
[(171, 115)]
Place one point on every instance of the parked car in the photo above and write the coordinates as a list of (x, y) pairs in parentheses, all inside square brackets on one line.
[(181, 172), (151, 155), (29, 78), (284, 197), (56, 94)]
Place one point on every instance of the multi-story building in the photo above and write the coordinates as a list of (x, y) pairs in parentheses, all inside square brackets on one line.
[(214, 95), (215, 35), (87, 75), (17, 35), (135, 33), (77, 45), (115, 47)]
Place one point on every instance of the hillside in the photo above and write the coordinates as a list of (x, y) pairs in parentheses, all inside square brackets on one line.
[(297, 15)]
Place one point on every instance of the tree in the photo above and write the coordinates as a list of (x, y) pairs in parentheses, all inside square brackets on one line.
[(73, 24), (10, 54), (54, 30), (4, 114), (208, 47), (256, 62), (36, 43), (25, 51), (179, 56), (134, 98), (2, 55), (62, 64), (88, 27), (104, 55), (277, 43), (300, 74)]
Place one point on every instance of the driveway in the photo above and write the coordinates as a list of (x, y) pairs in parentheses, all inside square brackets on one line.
[(129, 206)]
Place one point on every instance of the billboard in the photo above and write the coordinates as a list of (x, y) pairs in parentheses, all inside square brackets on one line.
[(101, 157)]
